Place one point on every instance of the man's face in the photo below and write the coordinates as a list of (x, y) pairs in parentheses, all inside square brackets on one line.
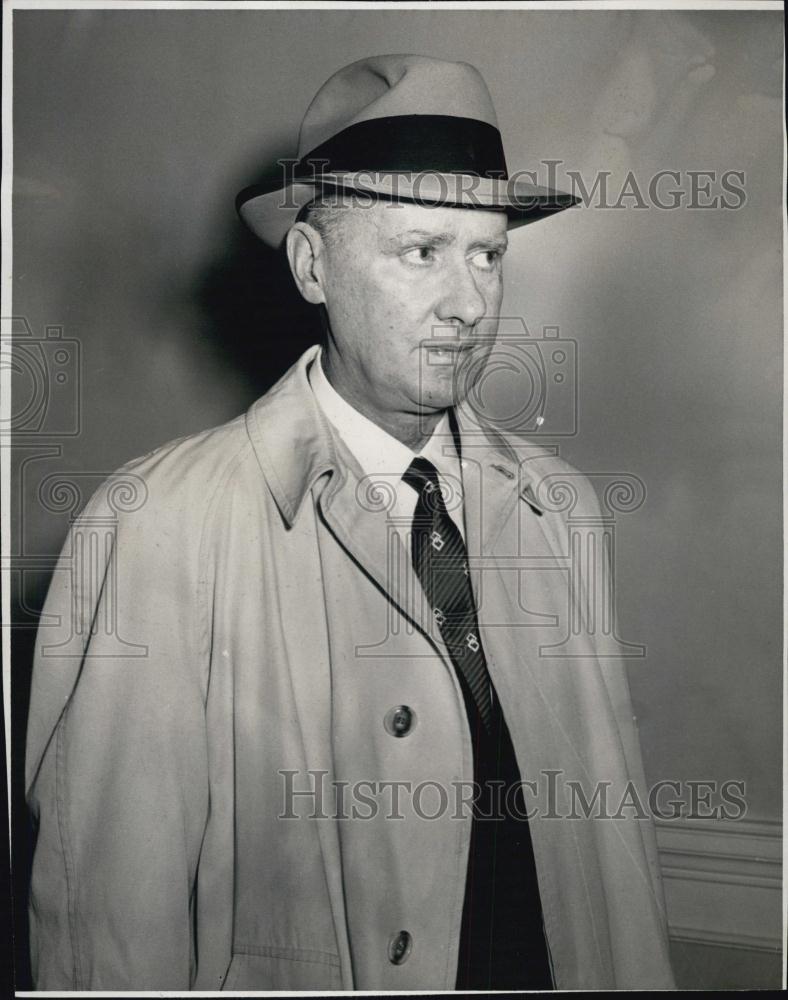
[(399, 277)]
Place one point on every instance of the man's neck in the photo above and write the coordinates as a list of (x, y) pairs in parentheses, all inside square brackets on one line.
[(411, 429)]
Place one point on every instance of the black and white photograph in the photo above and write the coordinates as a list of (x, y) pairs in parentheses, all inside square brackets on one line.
[(392, 497)]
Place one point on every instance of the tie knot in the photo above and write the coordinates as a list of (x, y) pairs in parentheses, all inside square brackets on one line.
[(422, 475)]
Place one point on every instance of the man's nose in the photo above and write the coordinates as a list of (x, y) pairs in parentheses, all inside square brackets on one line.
[(461, 302)]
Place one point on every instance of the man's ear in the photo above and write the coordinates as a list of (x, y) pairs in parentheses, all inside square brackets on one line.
[(305, 248)]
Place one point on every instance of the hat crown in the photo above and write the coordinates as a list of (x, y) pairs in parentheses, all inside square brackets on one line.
[(391, 85)]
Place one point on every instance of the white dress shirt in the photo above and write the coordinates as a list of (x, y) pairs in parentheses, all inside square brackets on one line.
[(384, 459)]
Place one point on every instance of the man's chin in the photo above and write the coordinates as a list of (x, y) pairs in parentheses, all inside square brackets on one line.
[(439, 395), (447, 376)]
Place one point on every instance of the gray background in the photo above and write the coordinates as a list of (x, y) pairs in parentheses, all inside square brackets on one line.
[(133, 131)]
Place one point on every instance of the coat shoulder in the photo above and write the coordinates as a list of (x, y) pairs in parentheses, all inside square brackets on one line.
[(559, 485), (177, 480)]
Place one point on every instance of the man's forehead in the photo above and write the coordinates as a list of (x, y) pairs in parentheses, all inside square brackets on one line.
[(392, 219)]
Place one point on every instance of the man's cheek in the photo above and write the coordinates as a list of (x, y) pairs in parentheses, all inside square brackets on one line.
[(493, 296)]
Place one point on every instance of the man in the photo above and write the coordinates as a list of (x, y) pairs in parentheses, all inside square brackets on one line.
[(262, 631)]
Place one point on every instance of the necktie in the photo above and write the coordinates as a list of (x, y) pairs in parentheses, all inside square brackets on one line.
[(440, 560)]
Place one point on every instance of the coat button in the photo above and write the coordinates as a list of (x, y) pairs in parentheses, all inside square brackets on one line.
[(400, 720), (399, 947)]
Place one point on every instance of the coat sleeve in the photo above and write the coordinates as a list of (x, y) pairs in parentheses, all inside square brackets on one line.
[(116, 772)]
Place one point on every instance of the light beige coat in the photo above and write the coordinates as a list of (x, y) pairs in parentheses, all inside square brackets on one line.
[(186, 657)]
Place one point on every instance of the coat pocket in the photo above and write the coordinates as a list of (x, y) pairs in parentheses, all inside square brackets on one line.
[(271, 968)]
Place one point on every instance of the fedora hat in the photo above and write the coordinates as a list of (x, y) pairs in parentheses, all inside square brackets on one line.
[(407, 127)]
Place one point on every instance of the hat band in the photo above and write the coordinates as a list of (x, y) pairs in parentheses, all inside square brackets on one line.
[(410, 144)]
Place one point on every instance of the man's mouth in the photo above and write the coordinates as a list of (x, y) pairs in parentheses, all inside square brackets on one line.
[(448, 353)]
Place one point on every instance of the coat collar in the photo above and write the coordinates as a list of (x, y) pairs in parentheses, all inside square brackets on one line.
[(291, 438), (294, 446)]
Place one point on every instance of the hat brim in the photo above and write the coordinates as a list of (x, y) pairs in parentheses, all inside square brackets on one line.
[(270, 213)]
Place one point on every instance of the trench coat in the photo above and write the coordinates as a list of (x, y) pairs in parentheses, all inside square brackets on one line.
[(184, 672)]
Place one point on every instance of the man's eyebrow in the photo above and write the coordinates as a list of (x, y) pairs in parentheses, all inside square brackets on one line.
[(423, 236), (426, 238), (499, 243)]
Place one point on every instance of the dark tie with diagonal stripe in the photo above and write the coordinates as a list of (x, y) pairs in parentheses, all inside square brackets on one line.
[(440, 560)]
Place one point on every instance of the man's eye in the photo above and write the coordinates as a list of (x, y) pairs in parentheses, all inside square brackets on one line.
[(420, 255), (487, 259)]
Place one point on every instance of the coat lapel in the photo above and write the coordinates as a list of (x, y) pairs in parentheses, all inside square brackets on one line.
[(495, 481), (358, 514)]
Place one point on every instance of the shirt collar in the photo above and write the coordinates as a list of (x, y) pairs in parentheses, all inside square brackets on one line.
[(376, 451)]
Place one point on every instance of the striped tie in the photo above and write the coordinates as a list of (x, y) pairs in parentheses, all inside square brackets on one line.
[(441, 564)]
